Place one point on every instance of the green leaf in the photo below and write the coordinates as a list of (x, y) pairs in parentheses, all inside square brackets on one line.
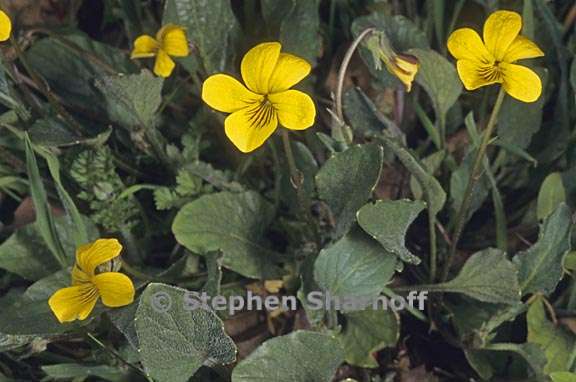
[(556, 342), (79, 228), (74, 370), (440, 80), (132, 100), (31, 315), (459, 182), (55, 62), (356, 265), (388, 221), (433, 193), (232, 223), (531, 353), (551, 195), (540, 267), (486, 276), (210, 26), (301, 356), (26, 254), (346, 182), (297, 25), (367, 332), (518, 121), (402, 33), (563, 376), (44, 218), (175, 341), (431, 164)]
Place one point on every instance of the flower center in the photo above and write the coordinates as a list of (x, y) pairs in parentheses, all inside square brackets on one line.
[(261, 115), (491, 72)]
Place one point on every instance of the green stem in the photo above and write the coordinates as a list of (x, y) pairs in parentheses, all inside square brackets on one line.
[(344, 67), (475, 175), (297, 180), (117, 356), (433, 247)]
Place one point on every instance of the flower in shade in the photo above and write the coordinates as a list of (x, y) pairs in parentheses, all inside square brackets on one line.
[(403, 66), (266, 100), (170, 42), (492, 60), (88, 285), (5, 26)]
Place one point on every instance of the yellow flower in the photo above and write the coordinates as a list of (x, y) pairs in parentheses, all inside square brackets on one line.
[(5, 26), (403, 66), (266, 100), (491, 61), (77, 301), (170, 41)]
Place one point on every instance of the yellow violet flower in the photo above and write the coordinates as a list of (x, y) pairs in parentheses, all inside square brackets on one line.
[(115, 289), (170, 41), (266, 100), (5, 26), (403, 66), (491, 61)]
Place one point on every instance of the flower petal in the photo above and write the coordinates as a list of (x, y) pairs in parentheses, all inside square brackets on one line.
[(465, 44), (289, 71), (173, 40), (224, 93), (164, 64), (520, 49), (405, 67), (296, 110), (258, 65), (145, 46), (521, 82), (474, 74), (500, 30), (116, 289), (91, 255), (5, 26), (249, 128), (73, 303)]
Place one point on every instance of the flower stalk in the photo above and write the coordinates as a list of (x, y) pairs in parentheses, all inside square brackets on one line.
[(475, 176)]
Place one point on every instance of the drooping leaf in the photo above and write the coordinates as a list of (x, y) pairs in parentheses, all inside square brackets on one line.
[(486, 276), (233, 224), (346, 182), (551, 195), (301, 356), (297, 25), (540, 267), (555, 341), (176, 341), (367, 332), (356, 265), (388, 221)]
